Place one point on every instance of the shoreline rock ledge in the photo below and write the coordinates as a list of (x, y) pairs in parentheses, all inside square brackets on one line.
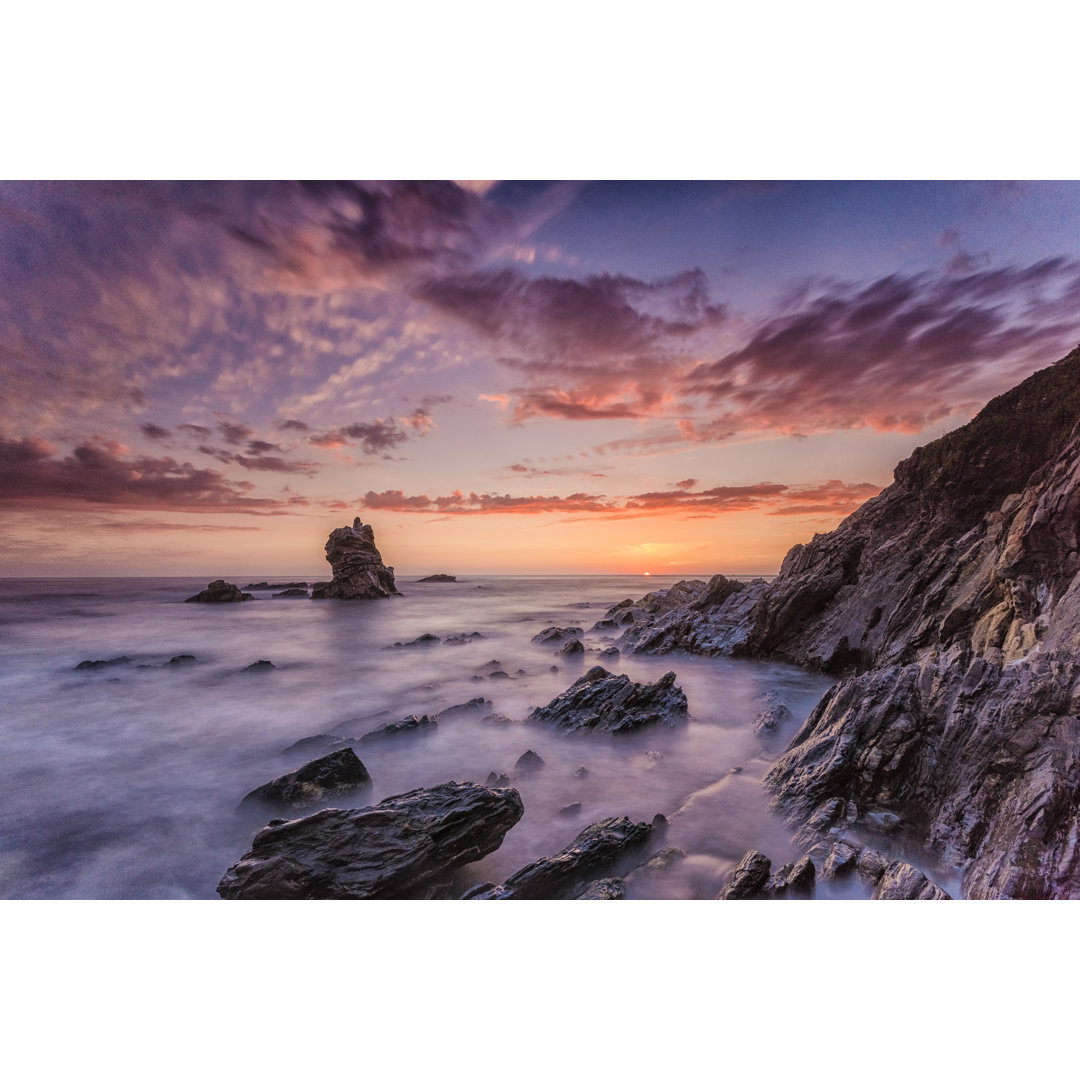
[(359, 571), (949, 608)]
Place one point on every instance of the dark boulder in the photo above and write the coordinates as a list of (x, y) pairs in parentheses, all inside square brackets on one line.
[(572, 648), (902, 881), (383, 852), (181, 661), (292, 594), (772, 713), (600, 701), (97, 665), (359, 572), (400, 727), (748, 880), (471, 706), (794, 879), (336, 775), (529, 762), (555, 635), (219, 592), (261, 665), (604, 848)]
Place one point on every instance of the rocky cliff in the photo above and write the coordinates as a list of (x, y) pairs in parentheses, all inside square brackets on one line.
[(949, 605), (359, 572)]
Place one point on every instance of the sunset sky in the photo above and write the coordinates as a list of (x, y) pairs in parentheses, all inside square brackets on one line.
[(550, 377)]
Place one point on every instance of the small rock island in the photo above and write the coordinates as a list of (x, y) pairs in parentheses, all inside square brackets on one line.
[(359, 572)]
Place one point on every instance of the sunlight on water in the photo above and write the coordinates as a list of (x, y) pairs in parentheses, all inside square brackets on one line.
[(124, 781)]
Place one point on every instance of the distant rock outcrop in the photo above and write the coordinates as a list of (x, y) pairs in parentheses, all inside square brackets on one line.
[(950, 607), (437, 577), (601, 701), (359, 572), (381, 852), (219, 592)]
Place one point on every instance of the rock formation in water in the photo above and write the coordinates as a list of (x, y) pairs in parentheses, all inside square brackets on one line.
[(950, 606), (219, 592), (401, 727), (336, 775), (380, 852), (601, 701), (602, 849), (359, 572), (436, 577)]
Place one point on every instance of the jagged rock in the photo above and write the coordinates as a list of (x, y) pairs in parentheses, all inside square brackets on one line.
[(423, 639), (96, 665), (871, 865), (261, 665), (553, 635), (794, 879), (359, 572), (836, 859), (601, 848), (470, 706), (400, 727), (463, 639), (382, 852), (437, 577), (610, 653), (902, 881), (529, 762), (773, 712), (291, 594), (605, 889), (748, 880), (600, 701), (219, 592), (336, 775), (572, 648), (495, 779)]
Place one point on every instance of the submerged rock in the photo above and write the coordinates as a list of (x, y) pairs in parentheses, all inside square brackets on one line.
[(280, 585), (336, 775), (437, 577), (463, 639), (471, 706), (96, 665), (292, 594), (603, 848), (381, 852), (324, 741), (261, 665), (773, 712), (572, 648), (529, 762), (181, 661), (219, 592), (555, 635), (400, 727), (359, 572), (601, 701), (423, 639)]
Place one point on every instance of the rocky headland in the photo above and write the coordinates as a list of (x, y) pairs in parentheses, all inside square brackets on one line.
[(948, 607), (359, 571)]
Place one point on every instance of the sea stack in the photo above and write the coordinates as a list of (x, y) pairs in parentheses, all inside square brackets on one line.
[(359, 572)]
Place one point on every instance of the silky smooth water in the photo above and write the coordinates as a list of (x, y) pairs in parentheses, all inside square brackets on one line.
[(123, 782)]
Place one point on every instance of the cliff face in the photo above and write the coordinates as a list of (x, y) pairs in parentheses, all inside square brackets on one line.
[(951, 603), (359, 572)]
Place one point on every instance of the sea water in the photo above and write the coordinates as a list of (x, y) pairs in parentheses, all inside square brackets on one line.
[(123, 781)]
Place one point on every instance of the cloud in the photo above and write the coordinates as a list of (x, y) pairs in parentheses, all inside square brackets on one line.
[(152, 431), (897, 354), (834, 497), (99, 473), (376, 437), (235, 434)]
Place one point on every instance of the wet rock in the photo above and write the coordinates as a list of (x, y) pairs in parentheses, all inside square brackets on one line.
[(772, 713), (400, 727), (572, 648), (794, 879), (382, 852), (871, 865), (291, 594), (471, 706), (555, 635), (219, 592), (610, 653), (529, 762), (748, 880), (603, 848), (261, 665), (463, 639), (437, 577), (495, 779), (570, 811), (902, 881), (837, 859), (605, 889), (96, 665), (600, 701), (359, 572), (661, 863), (423, 639), (336, 775)]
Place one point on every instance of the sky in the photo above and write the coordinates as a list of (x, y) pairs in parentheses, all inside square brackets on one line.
[(512, 377)]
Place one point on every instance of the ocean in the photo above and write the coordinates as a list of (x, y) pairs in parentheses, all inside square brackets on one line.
[(123, 781)]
